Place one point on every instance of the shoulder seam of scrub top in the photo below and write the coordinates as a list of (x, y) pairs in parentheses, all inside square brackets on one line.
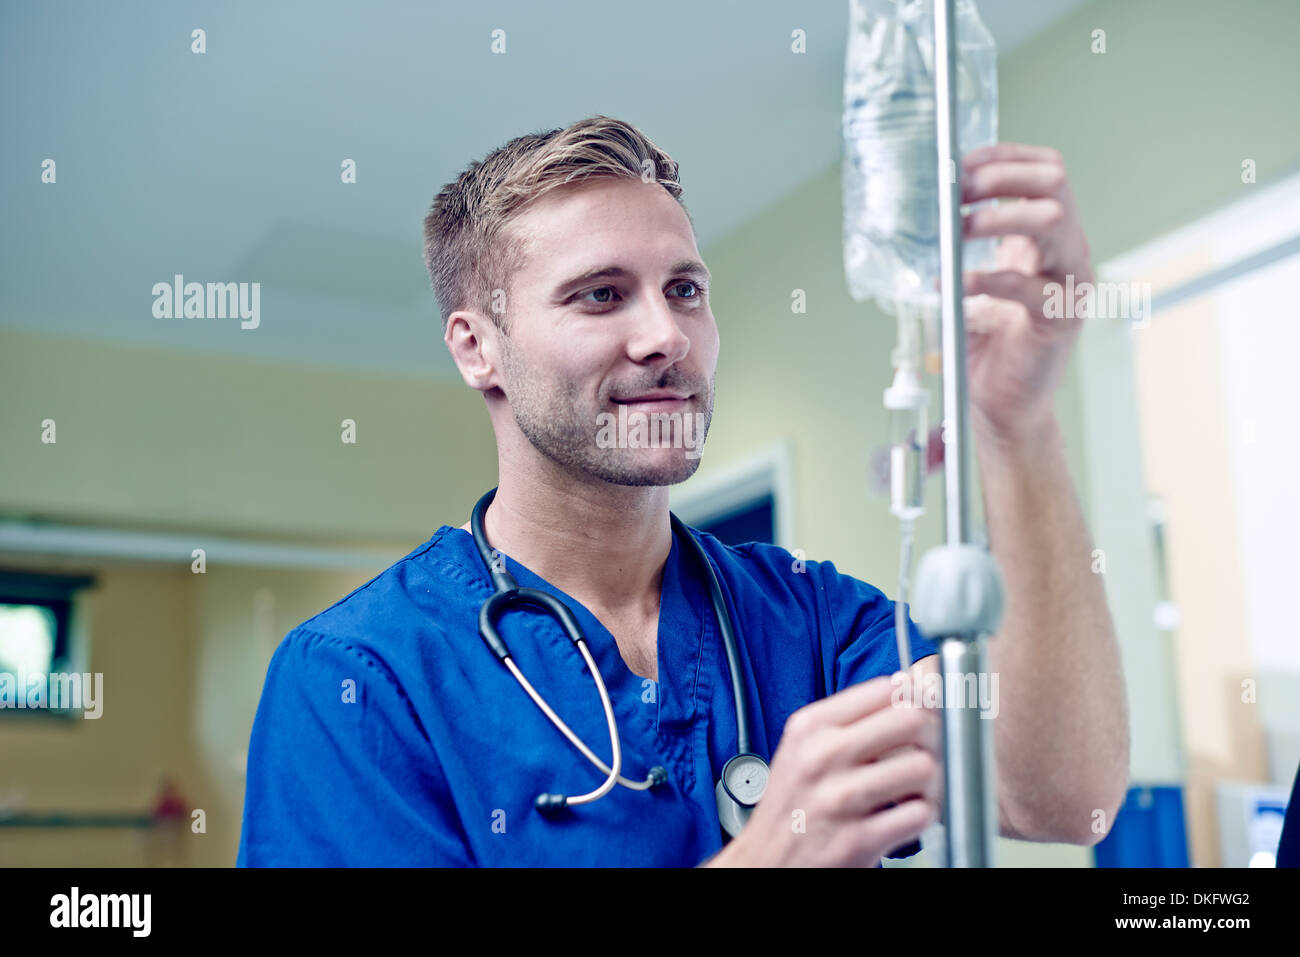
[(470, 573), (308, 636), (410, 556), (824, 601), (829, 671), (305, 638), (821, 604)]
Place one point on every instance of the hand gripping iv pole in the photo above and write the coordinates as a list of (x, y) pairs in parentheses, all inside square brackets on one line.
[(959, 597)]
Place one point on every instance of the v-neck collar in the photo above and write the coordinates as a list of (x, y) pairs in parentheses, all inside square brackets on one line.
[(683, 631)]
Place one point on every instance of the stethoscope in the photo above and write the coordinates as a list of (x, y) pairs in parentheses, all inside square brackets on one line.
[(744, 776)]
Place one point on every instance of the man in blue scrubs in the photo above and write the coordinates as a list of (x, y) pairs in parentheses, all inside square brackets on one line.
[(574, 299)]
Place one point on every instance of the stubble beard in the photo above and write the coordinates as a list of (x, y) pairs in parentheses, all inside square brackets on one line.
[(554, 419)]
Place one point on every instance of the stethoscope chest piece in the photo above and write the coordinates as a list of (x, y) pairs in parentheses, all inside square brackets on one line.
[(739, 789)]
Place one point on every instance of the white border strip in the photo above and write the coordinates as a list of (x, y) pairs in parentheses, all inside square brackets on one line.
[(32, 538)]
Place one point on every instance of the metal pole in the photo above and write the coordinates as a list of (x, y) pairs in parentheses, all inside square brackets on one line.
[(956, 456), (970, 822)]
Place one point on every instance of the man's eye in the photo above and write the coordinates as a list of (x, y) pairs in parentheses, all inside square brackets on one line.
[(599, 300), (605, 295)]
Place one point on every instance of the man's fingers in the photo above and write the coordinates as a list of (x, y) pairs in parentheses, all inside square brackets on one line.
[(871, 788), (879, 734), (1028, 217), (896, 826), (1011, 151), (984, 314), (1027, 180), (1006, 284), (847, 706)]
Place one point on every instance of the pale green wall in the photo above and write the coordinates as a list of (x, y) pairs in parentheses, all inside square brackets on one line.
[(1154, 131)]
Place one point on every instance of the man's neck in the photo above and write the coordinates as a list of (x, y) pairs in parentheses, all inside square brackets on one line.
[(605, 545)]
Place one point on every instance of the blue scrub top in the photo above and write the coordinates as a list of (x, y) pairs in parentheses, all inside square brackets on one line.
[(388, 734)]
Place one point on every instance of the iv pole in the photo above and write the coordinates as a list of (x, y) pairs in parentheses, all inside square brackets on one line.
[(959, 596)]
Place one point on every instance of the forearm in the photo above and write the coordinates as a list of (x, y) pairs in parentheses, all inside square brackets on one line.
[(1062, 728)]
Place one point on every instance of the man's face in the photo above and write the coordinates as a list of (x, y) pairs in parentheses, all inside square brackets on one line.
[(584, 347)]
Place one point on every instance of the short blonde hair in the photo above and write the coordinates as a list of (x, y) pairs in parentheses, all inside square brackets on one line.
[(465, 249)]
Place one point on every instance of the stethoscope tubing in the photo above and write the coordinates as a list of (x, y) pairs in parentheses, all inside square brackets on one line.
[(613, 777), (507, 594)]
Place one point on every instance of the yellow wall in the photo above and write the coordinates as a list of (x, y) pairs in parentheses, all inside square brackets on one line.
[(182, 658), (166, 440)]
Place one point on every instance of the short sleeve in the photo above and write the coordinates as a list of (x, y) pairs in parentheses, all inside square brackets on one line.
[(862, 631), (340, 771)]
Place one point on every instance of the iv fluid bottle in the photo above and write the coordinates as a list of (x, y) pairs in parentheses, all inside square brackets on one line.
[(890, 169)]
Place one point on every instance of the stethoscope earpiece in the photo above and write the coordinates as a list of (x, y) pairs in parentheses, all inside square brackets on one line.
[(551, 804)]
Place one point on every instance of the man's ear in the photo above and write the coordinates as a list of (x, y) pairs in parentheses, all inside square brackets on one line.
[(472, 339)]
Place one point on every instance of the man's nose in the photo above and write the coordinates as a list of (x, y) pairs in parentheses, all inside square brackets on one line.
[(658, 332)]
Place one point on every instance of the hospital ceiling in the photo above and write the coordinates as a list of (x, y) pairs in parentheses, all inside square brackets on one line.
[(225, 166)]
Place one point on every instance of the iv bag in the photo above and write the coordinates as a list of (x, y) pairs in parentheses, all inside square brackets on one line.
[(890, 170)]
